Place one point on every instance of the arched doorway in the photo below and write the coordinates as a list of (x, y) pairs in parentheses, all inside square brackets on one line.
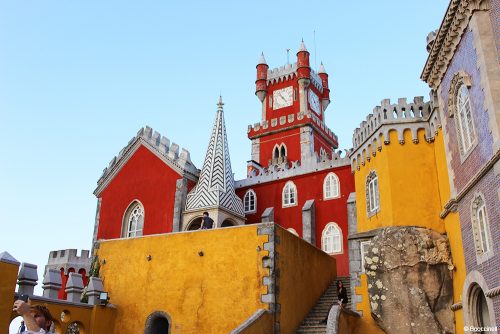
[(157, 323), (194, 225), (227, 223)]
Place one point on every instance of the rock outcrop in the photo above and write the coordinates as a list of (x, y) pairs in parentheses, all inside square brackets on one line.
[(410, 281)]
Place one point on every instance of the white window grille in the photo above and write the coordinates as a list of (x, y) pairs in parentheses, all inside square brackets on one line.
[(289, 194), (134, 220), (480, 226), (250, 201), (465, 121), (331, 186), (331, 239), (372, 194)]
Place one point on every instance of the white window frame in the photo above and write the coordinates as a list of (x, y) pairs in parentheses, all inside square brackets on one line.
[(481, 229), (465, 120), (286, 195), (363, 249), (249, 195), (330, 180), (326, 241), (372, 194), (128, 230)]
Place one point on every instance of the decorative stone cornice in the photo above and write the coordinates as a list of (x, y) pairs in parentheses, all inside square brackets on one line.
[(295, 168), (452, 204), (292, 121), (160, 146), (448, 37), (374, 131)]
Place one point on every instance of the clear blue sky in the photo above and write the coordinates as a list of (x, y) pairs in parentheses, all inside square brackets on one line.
[(79, 78)]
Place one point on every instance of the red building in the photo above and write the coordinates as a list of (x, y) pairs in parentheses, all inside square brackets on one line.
[(295, 178)]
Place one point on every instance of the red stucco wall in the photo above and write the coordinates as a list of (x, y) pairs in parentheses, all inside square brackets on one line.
[(309, 186), (147, 179)]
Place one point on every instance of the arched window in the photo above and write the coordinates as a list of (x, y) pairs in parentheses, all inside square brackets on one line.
[(289, 194), (250, 201), (279, 154), (331, 239), (133, 222), (480, 227), (331, 186), (464, 118), (372, 194)]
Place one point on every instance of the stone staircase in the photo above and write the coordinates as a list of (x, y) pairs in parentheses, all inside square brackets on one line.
[(311, 324)]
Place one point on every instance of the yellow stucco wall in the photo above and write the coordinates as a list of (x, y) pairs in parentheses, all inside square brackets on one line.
[(452, 227), (304, 274), (8, 278), (213, 293), (407, 177), (414, 187), (367, 325), (379, 164)]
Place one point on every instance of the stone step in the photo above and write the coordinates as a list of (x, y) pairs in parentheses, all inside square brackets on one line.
[(311, 323)]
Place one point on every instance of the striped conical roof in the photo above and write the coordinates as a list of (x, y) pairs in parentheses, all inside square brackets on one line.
[(215, 187)]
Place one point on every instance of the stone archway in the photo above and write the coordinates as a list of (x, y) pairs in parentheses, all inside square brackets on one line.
[(478, 309), (158, 323), (194, 224), (227, 223)]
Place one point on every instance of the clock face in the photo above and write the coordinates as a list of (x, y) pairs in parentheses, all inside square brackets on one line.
[(282, 98), (314, 102)]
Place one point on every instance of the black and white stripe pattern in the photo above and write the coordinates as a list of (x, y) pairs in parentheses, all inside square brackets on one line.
[(215, 187)]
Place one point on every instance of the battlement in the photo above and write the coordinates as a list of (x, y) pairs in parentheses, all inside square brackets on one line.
[(289, 71), (399, 117), (289, 169), (161, 145), (68, 258), (259, 129)]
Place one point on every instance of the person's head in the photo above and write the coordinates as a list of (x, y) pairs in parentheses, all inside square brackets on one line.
[(205, 214), (42, 316), (339, 284)]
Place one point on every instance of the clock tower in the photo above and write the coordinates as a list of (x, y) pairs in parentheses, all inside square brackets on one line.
[(294, 98)]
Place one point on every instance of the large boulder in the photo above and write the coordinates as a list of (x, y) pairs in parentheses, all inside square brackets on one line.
[(410, 284)]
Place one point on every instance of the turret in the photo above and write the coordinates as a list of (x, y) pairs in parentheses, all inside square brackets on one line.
[(261, 82), (303, 68), (325, 98)]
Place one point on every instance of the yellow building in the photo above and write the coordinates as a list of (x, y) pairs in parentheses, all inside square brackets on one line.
[(400, 247)]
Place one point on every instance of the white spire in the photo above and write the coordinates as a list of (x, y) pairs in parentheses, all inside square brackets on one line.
[(215, 187), (302, 46), (262, 60), (321, 68)]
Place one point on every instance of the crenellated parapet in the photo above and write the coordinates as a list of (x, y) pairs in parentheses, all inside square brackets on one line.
[(68, 258), (289, 71), (402, 116), (170, 152), (290, 169), (292, 120)]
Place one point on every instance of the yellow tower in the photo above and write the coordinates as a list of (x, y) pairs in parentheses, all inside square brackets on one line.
[(406, 256)]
